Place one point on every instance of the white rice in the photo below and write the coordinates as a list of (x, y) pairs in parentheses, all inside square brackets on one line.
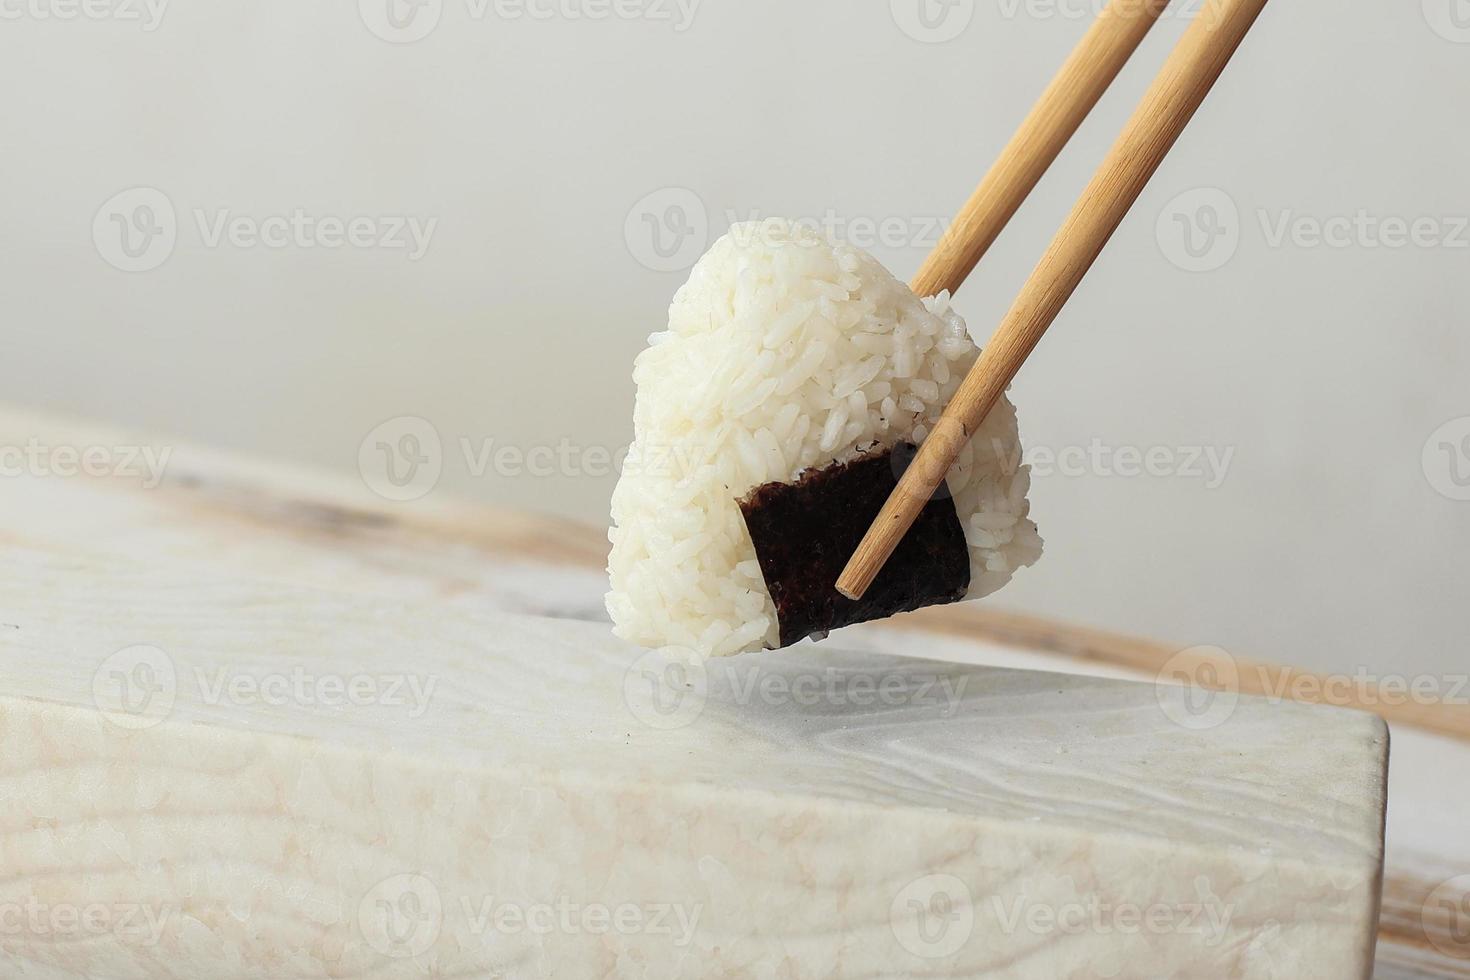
[(785, 352)]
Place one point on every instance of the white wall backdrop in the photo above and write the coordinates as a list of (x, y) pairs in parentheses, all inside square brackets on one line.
[(1279, 331)]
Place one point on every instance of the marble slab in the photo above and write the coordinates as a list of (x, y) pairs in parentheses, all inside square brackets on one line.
[(213, 778)]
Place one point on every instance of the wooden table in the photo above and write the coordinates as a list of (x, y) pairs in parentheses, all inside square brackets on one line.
[(216, 511)]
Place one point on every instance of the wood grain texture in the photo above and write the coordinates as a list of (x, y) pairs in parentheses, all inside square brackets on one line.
[(294, 524), (1426, 927), (289, 524), (793, 804), (1204, 666), (1168, 106)]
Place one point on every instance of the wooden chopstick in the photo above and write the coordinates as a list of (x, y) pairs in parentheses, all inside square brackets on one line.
[(1191, 70), (1077, 87)]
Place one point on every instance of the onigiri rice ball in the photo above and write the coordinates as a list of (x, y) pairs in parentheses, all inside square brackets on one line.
[(786, 352)]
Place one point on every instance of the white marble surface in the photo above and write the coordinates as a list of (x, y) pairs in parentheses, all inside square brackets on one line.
[(206, 778)]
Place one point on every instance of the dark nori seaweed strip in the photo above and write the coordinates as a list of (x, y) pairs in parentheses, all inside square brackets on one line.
[(804, 533)]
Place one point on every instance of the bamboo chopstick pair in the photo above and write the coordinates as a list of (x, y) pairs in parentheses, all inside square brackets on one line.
[(1171, 101)]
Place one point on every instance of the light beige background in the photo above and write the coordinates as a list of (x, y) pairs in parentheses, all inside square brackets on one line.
[(530, 132)]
